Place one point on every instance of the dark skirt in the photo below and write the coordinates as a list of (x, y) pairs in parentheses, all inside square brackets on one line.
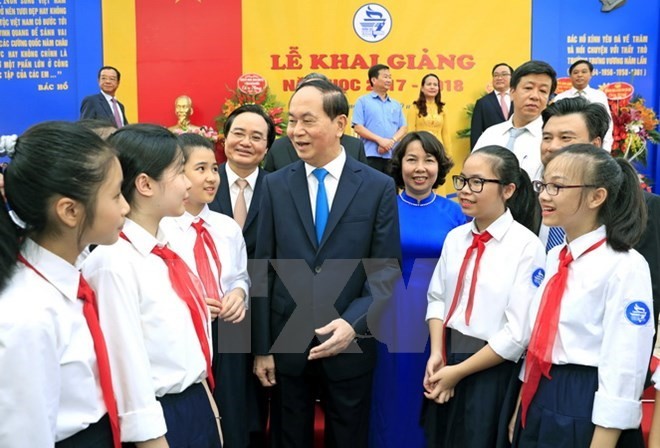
[(560, 412), (96, 435), (477, 414), (190, 419)]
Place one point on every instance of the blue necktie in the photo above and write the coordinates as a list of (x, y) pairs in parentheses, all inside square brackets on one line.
[(514, 133), (322, 208), (555, 238)]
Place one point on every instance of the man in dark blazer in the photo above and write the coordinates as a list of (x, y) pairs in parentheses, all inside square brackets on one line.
[(322, 235), (488, 109), (249, 132), (104, 105), (282, 152)]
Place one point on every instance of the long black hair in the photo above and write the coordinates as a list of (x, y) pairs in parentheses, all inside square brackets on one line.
[(144, 148), (523, 203), (50, 159), (624, 211)]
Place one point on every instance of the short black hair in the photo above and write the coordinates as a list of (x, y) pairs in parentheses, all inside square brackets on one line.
[(594, 114), (335, 102), (109, 67), (581, 61), (375, 70), (534, 68), (492, 72), (255, 109), (188, 141), (431, 145)]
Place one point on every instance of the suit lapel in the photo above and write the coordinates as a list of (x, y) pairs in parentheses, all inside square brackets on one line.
[(300, 194), (256, 198), (105, 106), (496, 104), (222, 196), (349, 183)]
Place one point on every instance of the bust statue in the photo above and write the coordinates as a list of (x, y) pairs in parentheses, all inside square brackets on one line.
[(183, 110)]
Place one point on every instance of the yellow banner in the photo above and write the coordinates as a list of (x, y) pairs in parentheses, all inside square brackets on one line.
[(458, 41)]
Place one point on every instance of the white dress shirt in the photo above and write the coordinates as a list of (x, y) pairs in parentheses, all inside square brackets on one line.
[(234, 189), (596, 328), (593, 96), (109, 98), (152, 344), (49, 388), (510, 271), (527, 146), (335, 167), (229, 243)]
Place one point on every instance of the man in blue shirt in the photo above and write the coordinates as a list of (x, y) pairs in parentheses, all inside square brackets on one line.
[(379, 120)]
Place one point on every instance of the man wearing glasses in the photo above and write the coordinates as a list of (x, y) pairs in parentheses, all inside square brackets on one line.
[(494, 107), (104, 105)]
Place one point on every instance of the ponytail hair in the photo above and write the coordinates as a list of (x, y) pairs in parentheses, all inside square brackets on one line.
[(624, 211), (523, 204), (50, 159)]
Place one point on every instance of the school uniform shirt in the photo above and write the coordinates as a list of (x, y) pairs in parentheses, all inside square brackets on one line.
[(49, 385), (152, 344), (527, 147), (510, 271), (606, 322), (228, 238)]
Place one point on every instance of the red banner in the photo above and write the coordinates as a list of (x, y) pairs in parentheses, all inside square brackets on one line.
[(186, 47)]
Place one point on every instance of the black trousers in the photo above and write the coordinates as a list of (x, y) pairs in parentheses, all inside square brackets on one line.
[(380, 164), (346, 404)]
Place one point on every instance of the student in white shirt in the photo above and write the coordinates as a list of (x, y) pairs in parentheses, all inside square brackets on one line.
[(580, 72), (55, 381), (232, 361), (152, 306), (591, 340), (476, 342)]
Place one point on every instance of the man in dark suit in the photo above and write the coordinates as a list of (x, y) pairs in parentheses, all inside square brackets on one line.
[(325, 222), (104, 105), (249, 132), (490, 109), (282, 152)]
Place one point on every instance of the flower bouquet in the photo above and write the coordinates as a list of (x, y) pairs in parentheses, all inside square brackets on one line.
[(265, 99), (205, 131), (634, 128)]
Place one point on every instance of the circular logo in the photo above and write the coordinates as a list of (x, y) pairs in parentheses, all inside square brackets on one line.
[(638, 313), (372, 22), (538, 276), (251, 84)]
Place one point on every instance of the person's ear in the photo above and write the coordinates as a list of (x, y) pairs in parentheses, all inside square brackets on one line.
[(69, 211)]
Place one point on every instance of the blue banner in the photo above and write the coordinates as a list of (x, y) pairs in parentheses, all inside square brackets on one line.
[(50, 52), (619, 37)]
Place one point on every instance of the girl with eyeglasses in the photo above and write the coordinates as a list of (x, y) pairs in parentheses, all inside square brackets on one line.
[(592, 324), (478, 302)]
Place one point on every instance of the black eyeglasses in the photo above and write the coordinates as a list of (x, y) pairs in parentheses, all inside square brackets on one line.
[(475, 184), (553, 189)]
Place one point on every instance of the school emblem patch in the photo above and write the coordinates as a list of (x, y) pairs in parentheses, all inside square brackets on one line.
[(537, 277), (638, 313)]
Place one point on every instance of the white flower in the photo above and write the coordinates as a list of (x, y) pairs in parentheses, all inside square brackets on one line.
[(8, 145)]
